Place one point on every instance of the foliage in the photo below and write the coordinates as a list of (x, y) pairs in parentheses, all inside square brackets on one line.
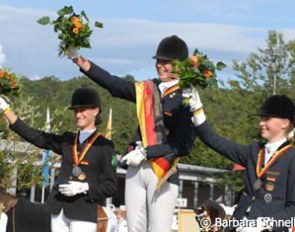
[(21, 170), (270, 70), (72, 30), (21, 163), (197, 70), (9, 82)]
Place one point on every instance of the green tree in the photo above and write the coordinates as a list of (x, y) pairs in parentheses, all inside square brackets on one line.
[(270, 70), (20, 166)]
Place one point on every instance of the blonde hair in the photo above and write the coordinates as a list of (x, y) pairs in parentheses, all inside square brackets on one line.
[(291, 133)]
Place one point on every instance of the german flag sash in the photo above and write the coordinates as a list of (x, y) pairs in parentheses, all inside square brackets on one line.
[(150, 119)]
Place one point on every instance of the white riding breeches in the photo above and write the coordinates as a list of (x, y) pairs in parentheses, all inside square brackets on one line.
[(60, 223), (148, 209)]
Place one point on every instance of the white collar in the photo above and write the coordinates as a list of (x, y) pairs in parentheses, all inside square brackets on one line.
[(88, 130), (272, 147), (84, 134), (163, 86)]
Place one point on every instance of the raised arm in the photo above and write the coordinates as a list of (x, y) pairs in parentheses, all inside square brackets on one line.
[(117, 86), (231, 150), (39, 138)]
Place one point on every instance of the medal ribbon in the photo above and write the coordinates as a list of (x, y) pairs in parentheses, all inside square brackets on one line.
[(171, 90), (261, 171), (77, 159)]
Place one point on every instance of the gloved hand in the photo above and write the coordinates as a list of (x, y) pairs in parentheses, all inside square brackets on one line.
[(194, 98), (195, 104), (138, 144), (3, 104), (73, 188), (72, 53), (135, 157)]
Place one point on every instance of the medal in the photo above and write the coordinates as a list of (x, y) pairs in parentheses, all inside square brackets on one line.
[(261, 171), (82, 176), (270, 186), (76, 171), (78, 158), (257, 184)]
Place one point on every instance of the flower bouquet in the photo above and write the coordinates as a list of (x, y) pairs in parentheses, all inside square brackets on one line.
[(73, 29), (197, 70), (9, 83)]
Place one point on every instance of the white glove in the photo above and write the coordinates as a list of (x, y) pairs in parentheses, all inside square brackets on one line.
[(135, 157), (72, 53), (195, 104), (73, 188), (138, 144), (194, 98), (3, 104)]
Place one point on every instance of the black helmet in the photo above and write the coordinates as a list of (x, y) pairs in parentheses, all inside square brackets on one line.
[(172, 48), (279, 106), (85, 97)]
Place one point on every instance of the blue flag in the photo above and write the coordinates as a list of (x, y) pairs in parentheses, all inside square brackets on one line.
[(45, 171)]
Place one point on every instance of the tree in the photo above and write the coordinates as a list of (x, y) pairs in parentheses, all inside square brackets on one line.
[(269, 70), (19, 162)]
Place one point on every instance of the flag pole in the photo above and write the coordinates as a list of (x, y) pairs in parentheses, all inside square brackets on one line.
[(45, 155), (108, 133)]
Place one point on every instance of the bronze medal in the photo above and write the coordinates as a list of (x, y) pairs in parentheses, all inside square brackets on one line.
[(257, 184), (261, 171), (269, 186), (82, 176), (78, 158)]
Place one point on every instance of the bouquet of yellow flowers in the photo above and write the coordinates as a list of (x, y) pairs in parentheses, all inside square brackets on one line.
[(9, 83), (197, 70), (73, 29)]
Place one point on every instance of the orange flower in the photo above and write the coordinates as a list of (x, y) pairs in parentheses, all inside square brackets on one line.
[(75, 19), (1, 73), (79, 25), (75, 30), (208, 73), (194, 60), (12, 84)]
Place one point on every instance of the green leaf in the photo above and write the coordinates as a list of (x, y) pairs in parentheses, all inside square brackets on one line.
[(85, 16), (196, 51), (66, 10), (98, 24), (44, 20), (220, 65)]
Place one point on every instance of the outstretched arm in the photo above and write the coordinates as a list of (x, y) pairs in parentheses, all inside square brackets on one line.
[(82, 63), (118, 87), (39, 138), (231, 150), (7, 111)]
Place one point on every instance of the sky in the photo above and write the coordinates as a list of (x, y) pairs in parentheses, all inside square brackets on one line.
[(225, 30)]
